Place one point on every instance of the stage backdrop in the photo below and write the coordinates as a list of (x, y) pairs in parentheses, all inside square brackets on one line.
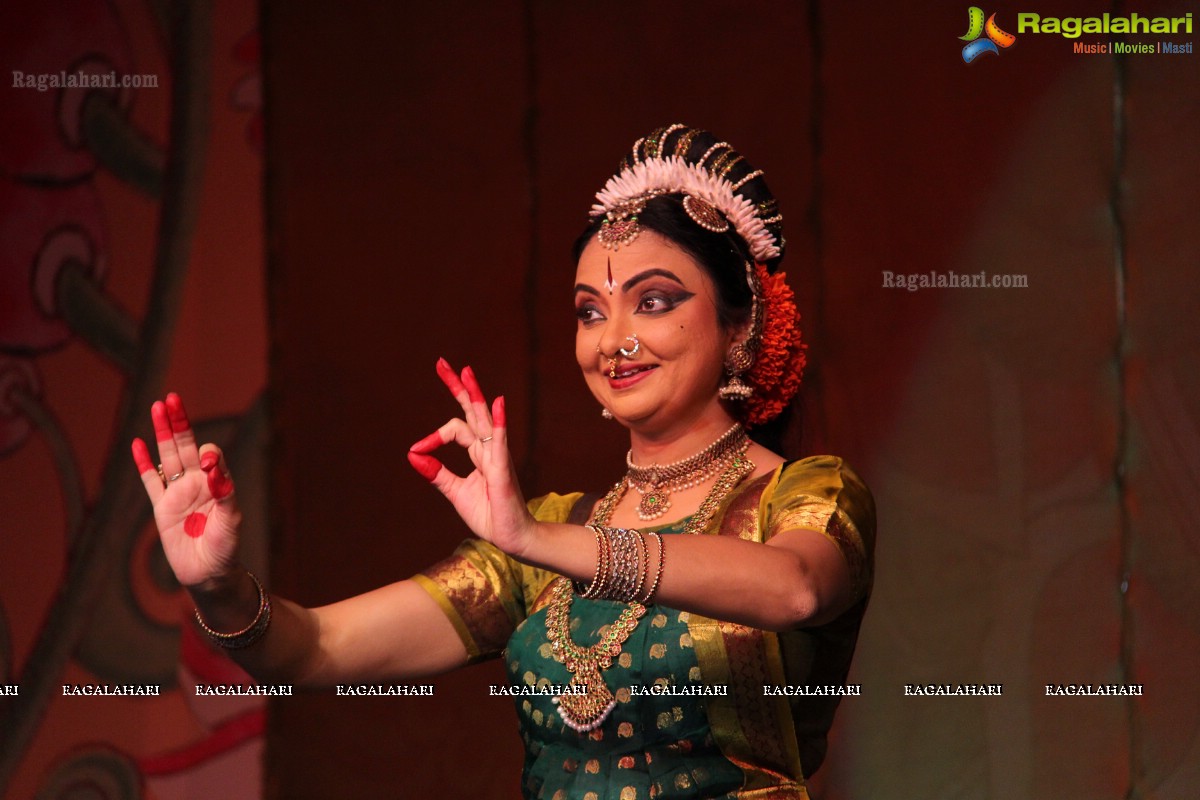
[(131, 263)]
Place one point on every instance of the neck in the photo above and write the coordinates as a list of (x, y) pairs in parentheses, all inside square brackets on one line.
[(679, 443)]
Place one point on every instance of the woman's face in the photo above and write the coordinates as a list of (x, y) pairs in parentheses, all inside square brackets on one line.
[(655, 290)]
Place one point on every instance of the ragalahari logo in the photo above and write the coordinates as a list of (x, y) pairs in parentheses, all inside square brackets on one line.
[(976, 27)]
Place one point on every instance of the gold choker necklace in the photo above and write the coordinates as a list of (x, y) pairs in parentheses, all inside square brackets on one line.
[(656, 482)]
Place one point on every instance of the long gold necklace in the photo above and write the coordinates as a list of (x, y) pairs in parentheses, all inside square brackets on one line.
[(587, 711)]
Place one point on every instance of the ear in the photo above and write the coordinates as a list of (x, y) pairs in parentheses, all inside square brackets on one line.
[(737, 334)]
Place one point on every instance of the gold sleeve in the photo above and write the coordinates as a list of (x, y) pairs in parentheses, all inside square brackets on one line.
[(483, 592), (823, 494)]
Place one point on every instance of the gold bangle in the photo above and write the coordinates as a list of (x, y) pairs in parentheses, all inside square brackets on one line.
[(601, 578), (249, 634), (643, 568), (659, 572)]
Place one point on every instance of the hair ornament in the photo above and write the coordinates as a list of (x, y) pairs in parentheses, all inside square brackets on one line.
[(749, 176), (704, 214), (779, 357), (626, 193)]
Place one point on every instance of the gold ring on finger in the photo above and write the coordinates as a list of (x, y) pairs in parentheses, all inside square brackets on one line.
[(177, 475), (486, 439), (162, 476)]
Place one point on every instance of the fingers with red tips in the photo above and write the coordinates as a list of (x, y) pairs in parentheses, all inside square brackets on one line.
[(181, 429), (220, 485), (141, 457), (147, 471), (430, 443), (427, 466), (472, 384), (168, 448), (176, 414), (499, 416), (162, 424), (449, 378)]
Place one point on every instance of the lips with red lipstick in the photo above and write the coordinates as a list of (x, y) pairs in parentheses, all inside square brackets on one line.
[(629, 373)]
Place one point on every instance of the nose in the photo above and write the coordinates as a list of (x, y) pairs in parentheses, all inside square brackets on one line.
[(612, 340)]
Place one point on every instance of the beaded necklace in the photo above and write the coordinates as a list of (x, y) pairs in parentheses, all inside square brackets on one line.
[(587, 711), (656, 481)]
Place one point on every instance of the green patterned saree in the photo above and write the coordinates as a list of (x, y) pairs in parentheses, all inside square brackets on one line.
[(696, 714)]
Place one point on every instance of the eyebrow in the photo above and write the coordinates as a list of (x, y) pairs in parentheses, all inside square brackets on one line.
[(635, 280)]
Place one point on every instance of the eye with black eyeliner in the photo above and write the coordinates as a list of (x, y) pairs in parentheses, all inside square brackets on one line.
[(660, 302), (587, 313)]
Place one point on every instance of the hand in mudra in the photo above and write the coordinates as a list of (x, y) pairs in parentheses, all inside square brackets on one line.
[(192, 495), (488, 499)]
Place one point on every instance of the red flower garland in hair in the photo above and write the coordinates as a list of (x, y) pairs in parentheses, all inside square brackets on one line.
[(780, 359)]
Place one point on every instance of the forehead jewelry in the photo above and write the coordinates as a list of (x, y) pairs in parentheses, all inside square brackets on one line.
[(620, 225), (609, 283)]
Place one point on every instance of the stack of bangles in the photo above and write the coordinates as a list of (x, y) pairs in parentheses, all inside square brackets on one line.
[(249, 634), (622, 566)]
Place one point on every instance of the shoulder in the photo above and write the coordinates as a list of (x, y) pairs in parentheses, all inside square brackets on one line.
[(823, 476), (823, 494), (823, 480)]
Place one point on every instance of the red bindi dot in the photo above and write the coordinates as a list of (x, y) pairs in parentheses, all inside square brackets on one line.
[(193, 526)]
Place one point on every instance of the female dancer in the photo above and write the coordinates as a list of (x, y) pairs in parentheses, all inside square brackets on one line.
[(685, 634)]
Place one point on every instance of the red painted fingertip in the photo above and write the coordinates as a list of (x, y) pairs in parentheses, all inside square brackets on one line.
[(194, 524), (430, 443), (141, 456), (209, 460), (473, 390), (449, 378), (162, 425), (427, 466), (177, 415), (499, 418), (219, 484)]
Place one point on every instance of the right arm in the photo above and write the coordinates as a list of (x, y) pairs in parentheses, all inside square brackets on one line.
[(392, 633)]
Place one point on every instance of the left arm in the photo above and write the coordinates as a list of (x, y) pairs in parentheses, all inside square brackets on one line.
[(798, 578)]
